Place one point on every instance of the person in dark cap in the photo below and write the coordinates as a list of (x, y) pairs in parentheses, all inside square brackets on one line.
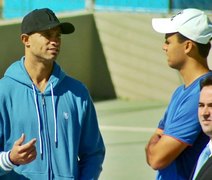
[(48, 123)]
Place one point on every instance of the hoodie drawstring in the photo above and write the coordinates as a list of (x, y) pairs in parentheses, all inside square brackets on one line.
[(39, 119)]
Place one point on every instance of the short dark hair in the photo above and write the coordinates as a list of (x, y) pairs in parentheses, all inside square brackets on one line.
[(203, 49), (206, 82)]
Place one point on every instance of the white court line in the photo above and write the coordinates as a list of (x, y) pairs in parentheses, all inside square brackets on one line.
[(124, 128)]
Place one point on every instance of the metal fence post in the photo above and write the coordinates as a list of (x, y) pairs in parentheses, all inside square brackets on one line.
[(89, 5)]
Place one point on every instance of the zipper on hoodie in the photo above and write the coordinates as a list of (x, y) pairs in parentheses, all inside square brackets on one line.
[(47, 136)]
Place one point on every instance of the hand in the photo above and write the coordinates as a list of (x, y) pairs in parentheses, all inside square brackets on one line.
[(23, 153), (153, 140)]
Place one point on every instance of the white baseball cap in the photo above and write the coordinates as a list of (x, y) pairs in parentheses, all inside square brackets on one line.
[(191, 23)]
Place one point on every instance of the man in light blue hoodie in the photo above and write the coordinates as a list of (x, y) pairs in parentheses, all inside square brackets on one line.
[(48, 123)]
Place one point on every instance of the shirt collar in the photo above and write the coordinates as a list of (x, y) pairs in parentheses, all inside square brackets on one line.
[(210, 145)]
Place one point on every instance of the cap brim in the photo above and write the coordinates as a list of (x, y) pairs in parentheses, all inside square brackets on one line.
[(163, 25), (67, 28)]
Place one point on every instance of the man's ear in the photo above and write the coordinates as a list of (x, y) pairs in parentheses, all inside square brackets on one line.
[(188, 46), (25, 39)]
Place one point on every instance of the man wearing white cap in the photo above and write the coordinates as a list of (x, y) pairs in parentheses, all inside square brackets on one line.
[(177, 142)]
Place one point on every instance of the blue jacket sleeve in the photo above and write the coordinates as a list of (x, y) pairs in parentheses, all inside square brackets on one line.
[(92, 149)]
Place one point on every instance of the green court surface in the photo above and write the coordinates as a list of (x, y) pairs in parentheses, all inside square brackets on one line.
[(126, 127)]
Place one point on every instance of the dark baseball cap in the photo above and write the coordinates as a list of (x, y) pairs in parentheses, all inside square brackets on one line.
[(44, 19)]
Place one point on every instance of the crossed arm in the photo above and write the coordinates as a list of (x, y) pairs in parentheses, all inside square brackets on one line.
[(161, 150)]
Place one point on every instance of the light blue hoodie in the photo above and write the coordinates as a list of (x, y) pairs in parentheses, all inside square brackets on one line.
[(62, 119)]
